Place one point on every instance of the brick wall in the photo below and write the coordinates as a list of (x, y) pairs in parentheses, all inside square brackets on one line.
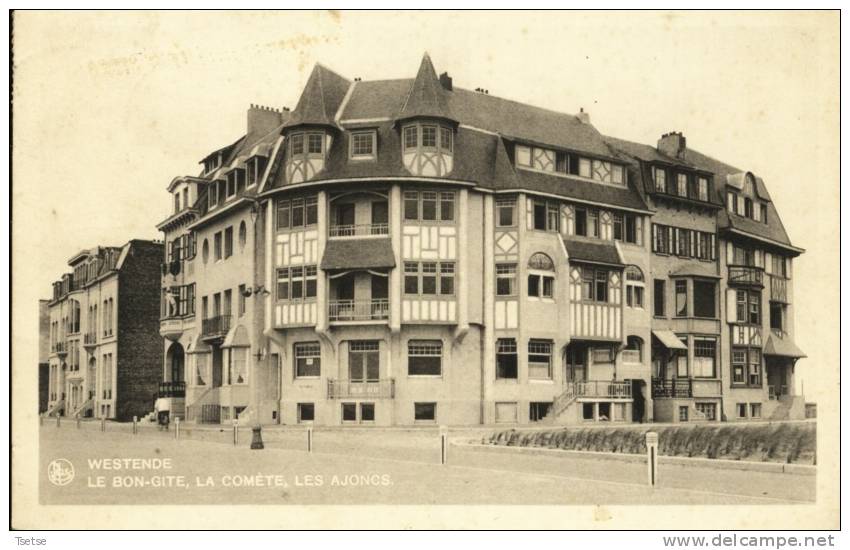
[(139, 363)]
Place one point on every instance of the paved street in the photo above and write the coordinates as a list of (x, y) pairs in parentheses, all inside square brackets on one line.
[(373, 466)]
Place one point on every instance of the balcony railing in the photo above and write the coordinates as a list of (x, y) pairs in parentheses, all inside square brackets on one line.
[(377, 309), (778, 289), (90, 339), (375, 389), (677, 387), (172, 389), (777, 391), (359, 230), (746, 275), (216, 327), (603, 388), (60, 347)]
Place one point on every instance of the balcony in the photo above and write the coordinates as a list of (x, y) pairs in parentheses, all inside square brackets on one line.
[(774, 392), (778, 289), (746, 275), (377, 309), (215, 327), (172, 389), (358, 230), (675, 388), (375, 389), (60, 348), (90, 339), (603, 388)]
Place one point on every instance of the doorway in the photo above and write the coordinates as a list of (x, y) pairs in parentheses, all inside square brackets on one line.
[(576, 366)]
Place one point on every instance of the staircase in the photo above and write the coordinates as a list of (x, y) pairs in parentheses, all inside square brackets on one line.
[(54, 410), (562, 402), (789, 407), (195, 412), (80, 411)]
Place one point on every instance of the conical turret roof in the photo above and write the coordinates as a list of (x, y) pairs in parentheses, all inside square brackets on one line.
[(320, 99), (427, 97)]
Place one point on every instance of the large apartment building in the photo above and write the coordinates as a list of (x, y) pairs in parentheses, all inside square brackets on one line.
[(398, 252), (105, 354)]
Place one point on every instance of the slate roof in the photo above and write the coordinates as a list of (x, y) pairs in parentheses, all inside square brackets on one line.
[(783, 347), (358, 254), (426, 97), (598, 252), (320, 99)]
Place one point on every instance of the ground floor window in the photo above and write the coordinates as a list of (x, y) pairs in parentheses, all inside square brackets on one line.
[(538, 410), (587, 411), (349, 412), (506, 412), (604, 412), (755, 410), (506, 358), (424, 358), (424, 412), (308, 360), (306, 412), (683, 413), (742, 410), (364, 363), (619, 412), (357, 412), (707, 409), (540, 359), (367, 412)]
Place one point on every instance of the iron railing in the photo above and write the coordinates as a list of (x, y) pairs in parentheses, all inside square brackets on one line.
[(778, 289), (746, 275), (676, 387), (373, 389), (216, 326), (603, 388), (90, 339), (359, 310), (359, 230), (172, 389)]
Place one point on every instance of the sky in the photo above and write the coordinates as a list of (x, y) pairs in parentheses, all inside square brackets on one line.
[(109, 107)]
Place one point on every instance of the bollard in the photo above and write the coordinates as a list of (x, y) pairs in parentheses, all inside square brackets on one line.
[(103, 423), (309, 440), (257, 439), (177, 428), (135, 429), (444, 445), (78, 421), (235, 431), (652, 458)]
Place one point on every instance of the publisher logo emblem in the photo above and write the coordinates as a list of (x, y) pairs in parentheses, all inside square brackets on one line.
[(60, 472)]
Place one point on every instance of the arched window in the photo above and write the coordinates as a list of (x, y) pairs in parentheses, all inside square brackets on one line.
[(541, 285), (205, 250), (243, 234), (633, 352), (634, 287)]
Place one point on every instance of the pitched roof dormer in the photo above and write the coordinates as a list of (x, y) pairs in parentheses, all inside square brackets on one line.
[(427, 97), (320, 100)]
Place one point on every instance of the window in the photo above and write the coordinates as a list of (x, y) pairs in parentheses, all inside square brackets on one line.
[(731, 201), (634, 287), (429, 278), (447, 206), (660, 177), (411, 205), (748, 207), (588, 411), (777, 315), (617, 174), (618, 226), (243, 235), (682, 185), (363, 144), (429, 206), (410, 137), (283, 214), (446, 139), (424, 412), (411, 278), (538, 410), (217, 246), (742, 410), (297, 144), (314, 143), (212, 194), (228, 242), (634, 347), (364, 361), (592, 223), (312, 208), (367, 412), (748, 307), (255, 170), (540, 215), (296, 283), (755, 410), (681, 298), (297, 209), (505, 212), (705, 353), (506, 412), (763, 208), (505, 279), (703, 189), (683, 413), (349, 412), (447, 278), (581, 221), (540, 359), (704, 299), (241, 298), (306, 412), (601, 280), (584, 168), (506, 358), (553, 217), (429, 136), (708, 410), (754, 373), (540, 286), (425, 358), (283, 284), (308, 360), (739, 361), (658, 298)]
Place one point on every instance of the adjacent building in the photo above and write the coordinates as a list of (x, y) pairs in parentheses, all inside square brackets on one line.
[(402, 252), (105, 354), (43, 354)]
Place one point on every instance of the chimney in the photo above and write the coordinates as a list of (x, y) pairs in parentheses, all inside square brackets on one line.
[(446, 81), (672, 144), (262, 120), (583, 117)]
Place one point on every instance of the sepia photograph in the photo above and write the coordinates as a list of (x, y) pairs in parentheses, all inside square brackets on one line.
[(425, 270)]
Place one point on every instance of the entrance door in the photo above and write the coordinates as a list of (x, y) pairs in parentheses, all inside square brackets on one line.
[(345, 217), (217, 366), (639, 403), (364, 361), (576, 362), (380, 217), (177, 362)]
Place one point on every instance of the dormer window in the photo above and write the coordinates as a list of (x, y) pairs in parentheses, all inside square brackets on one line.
[(363, 145), (703, 189), (682, 185), (314, 143), (426, 137), (176, 202), (660, 176), (446, 139), (297, 144), (548, 160), (185, 197), (255, 168), (212, 196), (427, 149), (306, 155)]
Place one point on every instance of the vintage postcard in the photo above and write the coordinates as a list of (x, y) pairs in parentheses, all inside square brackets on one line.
[(509, 270)]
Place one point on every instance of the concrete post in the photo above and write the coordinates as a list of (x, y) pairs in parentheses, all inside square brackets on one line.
[(309, 440), (652, 458), (135, 427), (176, 428), (444, 445), (235, 431)]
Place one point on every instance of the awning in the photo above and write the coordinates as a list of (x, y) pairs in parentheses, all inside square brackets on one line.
[(782, 347), (695, 270), (198, 346), (376, 253), (237, 337), (604, 253), (669, 339)]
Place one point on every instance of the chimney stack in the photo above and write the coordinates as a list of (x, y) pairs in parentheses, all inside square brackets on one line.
[(583, 117), (672, 144), (446, 81), (262, 120)]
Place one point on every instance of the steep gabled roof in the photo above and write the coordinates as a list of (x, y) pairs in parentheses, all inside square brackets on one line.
[(320, 99), (426, 96)]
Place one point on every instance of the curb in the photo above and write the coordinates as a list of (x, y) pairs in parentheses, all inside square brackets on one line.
[(721, 464)]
